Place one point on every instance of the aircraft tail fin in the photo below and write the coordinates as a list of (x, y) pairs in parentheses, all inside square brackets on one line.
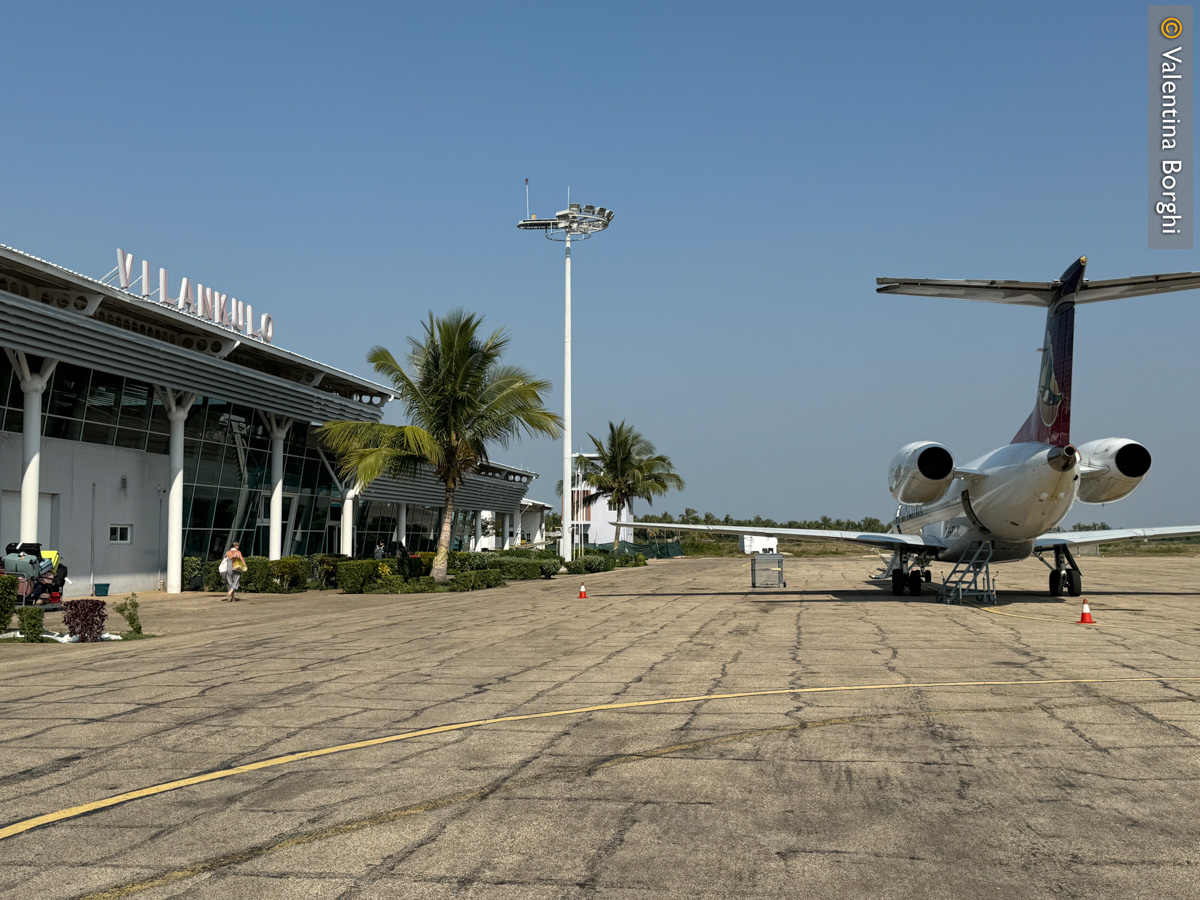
[(1050, 420)]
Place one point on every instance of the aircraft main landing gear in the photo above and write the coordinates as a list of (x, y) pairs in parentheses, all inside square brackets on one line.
[(1065, 577)]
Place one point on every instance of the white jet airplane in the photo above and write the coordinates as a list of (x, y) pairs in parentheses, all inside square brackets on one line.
[(1012, 496)]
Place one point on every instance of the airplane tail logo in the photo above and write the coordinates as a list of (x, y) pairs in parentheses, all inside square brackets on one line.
[(1050, 421)]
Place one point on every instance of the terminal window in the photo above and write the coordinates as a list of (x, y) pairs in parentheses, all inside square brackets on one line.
[(119, 534)]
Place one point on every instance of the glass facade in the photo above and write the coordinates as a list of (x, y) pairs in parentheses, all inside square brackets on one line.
[(227, 465)]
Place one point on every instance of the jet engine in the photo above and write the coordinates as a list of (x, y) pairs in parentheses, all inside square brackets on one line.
[(920, 472), (1111, 468)]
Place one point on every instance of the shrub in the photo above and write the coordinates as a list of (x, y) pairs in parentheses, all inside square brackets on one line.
[(463, 581), (422, 585), (469, 562), (8, 599), (85, 618), (425, 560), (516, 568), (291, 573), (31, 620), (257, 579), (325, 565), (128, 610), (193, 573), (487, 578), (575, 567), (392, 584), (354, 575), (594, 562), (639, 559), (550, 567), (213, 577)]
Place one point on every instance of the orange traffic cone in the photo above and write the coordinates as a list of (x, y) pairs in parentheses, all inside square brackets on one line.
[(1086, 618), (583, 592)]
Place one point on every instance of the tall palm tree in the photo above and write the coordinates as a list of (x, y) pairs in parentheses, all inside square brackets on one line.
[(459, 398), (627, 467)]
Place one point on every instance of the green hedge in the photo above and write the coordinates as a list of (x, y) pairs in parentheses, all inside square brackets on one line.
[(478, 580), (516, 568), (291, 573), (325, 568), (356, 575), (8, 599), (213, 580), (31, 619), (193, 573)]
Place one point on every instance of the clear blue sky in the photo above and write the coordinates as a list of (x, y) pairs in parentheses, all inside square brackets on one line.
[(349, 167)]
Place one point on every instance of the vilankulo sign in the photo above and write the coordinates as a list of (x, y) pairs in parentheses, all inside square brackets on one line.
[(200, 300)]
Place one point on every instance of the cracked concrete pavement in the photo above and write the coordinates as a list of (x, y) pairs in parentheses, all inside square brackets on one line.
[(1027, 789)]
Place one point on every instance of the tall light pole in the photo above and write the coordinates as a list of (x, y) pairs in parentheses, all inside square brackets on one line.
[(580, 222)]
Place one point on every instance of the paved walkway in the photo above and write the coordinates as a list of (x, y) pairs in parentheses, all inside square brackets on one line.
[(1061, 761)]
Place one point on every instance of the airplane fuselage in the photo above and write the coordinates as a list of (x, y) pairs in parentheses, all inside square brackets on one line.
[(1009, 496)]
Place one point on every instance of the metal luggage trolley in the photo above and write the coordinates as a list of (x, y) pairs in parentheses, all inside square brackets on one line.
[(766, 570)]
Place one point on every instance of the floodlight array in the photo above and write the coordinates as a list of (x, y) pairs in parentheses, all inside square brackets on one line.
[(576, 221)]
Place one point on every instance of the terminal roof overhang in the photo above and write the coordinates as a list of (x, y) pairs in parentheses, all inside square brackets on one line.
[(161, 345), (493, 487)]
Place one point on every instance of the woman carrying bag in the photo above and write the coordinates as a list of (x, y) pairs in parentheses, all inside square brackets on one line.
[(232, 566)]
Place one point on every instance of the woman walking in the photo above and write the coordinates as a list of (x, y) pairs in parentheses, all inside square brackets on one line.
[(232, 567)]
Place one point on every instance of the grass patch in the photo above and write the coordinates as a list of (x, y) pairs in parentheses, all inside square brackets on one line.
[(707, 549), (1151, 548)]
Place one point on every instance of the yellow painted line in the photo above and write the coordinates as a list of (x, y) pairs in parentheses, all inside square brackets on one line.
[(96, 805), (237, 857)]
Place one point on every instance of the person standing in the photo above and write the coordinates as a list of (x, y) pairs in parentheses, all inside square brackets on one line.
[(379, 550), (233, 567)]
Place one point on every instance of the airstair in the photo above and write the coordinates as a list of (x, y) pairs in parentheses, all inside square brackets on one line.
[(971, 577)]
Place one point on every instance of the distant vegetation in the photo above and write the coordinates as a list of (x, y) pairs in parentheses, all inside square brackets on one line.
[(727, 544)]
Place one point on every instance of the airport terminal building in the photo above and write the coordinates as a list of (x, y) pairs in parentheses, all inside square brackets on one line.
[(142, 425)]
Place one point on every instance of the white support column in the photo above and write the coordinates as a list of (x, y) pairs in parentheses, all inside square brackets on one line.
[(178, 405), (349, 500), (277, 427), (33, 385), (517, 527), (402, 524), (478, 530)]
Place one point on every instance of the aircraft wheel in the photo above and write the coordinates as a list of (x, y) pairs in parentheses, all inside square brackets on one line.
[(1056, 584), (1074, 582), (915, 583), (898, 582), (928, 576)]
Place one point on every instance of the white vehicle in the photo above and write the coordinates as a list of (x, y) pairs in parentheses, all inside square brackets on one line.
[(1013, 496)]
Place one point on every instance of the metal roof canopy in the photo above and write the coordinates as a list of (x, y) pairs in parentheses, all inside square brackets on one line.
[(246, 354), (39, 329), (493, 487)]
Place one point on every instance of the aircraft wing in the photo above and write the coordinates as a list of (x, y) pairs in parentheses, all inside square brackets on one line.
[(1080, 538), (867, 538)]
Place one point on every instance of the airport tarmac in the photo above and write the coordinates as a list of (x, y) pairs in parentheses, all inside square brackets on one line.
[(677, 734)]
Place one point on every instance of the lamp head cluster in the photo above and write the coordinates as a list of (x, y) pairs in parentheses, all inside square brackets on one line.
[(576, 221)]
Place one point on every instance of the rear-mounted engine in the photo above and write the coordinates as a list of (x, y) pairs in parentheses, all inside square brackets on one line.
[(1111, 468), (920, 472)]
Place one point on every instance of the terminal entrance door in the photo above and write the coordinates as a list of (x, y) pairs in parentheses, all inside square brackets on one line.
[(262, 544)]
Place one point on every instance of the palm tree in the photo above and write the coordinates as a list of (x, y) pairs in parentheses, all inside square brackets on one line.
[(459, 398), (626, 467)]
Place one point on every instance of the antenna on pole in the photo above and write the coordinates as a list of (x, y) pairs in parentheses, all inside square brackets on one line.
[(527, 198)]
